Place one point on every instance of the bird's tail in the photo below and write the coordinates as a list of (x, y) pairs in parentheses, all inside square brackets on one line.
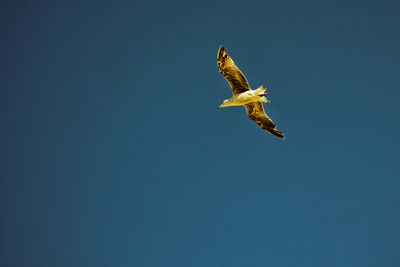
[(260, 91)]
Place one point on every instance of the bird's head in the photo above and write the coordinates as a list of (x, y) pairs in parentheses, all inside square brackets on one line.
[(223, 104)]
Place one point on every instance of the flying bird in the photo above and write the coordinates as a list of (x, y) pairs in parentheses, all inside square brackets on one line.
[(242, 95)]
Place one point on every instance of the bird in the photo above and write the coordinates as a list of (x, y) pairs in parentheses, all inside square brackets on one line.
[(243, 95)]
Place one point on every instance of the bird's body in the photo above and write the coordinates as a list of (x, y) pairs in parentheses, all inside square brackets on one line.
[(246, 97), (243, 95)]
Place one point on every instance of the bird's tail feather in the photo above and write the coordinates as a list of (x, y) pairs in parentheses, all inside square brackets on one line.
[(264, 100), (260, 91)]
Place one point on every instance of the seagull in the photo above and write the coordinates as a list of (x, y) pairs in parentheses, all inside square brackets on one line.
[(242, 95)]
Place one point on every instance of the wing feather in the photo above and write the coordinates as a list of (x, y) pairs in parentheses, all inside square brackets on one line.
[(256, 113), (231, 73)]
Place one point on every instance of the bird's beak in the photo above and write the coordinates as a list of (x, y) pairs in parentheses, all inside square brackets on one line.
[(219, 107)]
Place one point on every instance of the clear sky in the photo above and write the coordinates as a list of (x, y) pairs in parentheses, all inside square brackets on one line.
[(113, 152)]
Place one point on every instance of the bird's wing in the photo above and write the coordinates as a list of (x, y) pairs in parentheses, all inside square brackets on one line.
[(256, 113), (231, 73)]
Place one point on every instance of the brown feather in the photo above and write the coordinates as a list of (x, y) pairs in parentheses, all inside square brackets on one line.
[(231, 73), (256, 113)]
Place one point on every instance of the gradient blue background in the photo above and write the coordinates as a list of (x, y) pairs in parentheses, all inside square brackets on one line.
[(113, 152)]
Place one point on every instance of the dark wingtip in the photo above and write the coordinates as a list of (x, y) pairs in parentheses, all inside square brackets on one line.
[(221, 51), (277, 134)]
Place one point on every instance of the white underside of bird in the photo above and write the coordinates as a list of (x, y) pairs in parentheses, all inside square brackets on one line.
[(247, 97)]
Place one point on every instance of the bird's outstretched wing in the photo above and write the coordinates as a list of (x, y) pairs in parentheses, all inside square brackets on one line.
[(256, 113), (231, 73)]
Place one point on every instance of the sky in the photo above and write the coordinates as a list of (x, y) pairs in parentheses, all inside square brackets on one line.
[(112, 151)]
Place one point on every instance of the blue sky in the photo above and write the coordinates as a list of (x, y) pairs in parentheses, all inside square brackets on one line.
[(113, 152)]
